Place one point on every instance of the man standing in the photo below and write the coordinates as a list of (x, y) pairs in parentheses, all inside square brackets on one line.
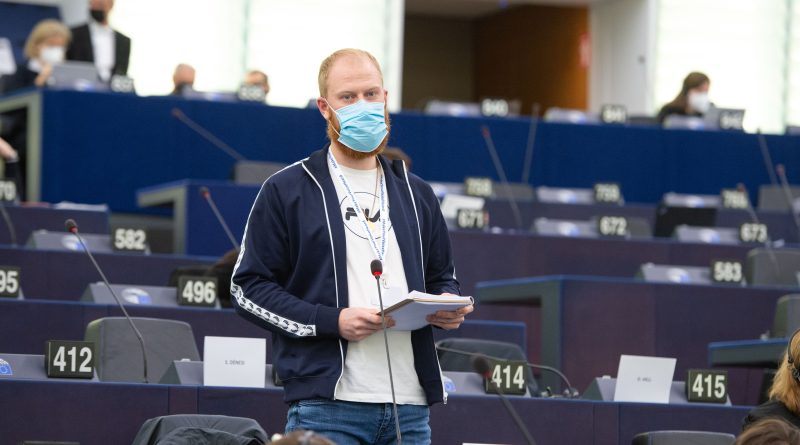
[(96, 42), (303, 272)]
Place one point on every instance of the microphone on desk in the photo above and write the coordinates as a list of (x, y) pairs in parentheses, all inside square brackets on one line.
[(376, 267), (12, 231), (754, 218), (487, 138), (526, 165), (72, 227), (207, 135), (787, 194), (765, 156), (206, 194), (482, 366), (569, 392)]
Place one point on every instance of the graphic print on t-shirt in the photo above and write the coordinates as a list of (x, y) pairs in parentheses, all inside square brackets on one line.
[(371, 212)]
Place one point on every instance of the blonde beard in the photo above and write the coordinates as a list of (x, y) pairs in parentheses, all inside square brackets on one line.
[(333, 135)]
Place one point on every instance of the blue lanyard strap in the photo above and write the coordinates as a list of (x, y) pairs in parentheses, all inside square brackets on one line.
[(379, 253)]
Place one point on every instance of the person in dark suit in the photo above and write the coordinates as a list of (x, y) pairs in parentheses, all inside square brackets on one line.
[(97, 42)]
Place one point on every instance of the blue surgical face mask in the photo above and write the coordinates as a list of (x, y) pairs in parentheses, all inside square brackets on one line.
[(363, 125)]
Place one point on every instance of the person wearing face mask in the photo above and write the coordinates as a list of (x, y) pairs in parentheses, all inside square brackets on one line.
[(303, 271), (258, 79), (97, 42), (44, 48), (691, 101)]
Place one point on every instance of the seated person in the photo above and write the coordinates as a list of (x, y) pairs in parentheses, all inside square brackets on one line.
[(45, 47), (691, 101), (183, 79), (784, 394), (257, 78)]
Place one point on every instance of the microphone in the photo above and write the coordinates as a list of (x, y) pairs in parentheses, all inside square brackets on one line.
[(765, 156), (206, 194), (207, 135), (526, 165), (569, 392), (754, 218), (376, 267), (72, 227), (482, 366), (12, 231), (487, 137), (787, 194)]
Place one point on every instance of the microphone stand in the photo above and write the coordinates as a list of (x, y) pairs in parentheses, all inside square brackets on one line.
[(72, 228), (377, 270)]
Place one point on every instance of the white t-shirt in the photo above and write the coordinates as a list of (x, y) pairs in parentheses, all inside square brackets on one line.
[(103, 48), (366, 375)]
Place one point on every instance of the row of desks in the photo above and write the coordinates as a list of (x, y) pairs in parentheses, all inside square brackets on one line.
[(30, 323), (130, 142), (582, 325), (198, 233), (82, 412)]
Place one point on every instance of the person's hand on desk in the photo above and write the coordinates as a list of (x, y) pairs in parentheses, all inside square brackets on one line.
[(44, 74), (450, 319), (7, 152), (358, 323)]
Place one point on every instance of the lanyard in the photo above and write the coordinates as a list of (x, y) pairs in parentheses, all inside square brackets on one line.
[(379, 253)]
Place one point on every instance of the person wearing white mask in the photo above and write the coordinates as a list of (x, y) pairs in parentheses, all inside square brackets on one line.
[(692, 100), (45, 47)]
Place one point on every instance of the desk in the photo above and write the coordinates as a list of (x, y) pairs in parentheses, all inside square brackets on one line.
[(29, 323), (28, 219), (64, 275), (781, 224), (189, 209), (581, 325), (748, 353), (130, 142), (83, 414), (479, 256)]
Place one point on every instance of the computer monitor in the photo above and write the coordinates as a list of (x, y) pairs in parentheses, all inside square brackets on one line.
[(81, 76)]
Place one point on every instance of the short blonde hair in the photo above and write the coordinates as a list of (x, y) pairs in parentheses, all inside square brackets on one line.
[(784, 386), (43, 31), (325, 66)]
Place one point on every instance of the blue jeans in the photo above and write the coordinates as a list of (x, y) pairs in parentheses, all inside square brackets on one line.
[(354, 423)]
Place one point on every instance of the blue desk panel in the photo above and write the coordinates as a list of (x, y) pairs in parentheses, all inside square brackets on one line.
[(28, 219), (64, 275), (479, 256), (129, 142), (93, 413), (29, 323)]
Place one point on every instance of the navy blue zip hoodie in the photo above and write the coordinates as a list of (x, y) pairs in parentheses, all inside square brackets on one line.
[(291, 275)]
